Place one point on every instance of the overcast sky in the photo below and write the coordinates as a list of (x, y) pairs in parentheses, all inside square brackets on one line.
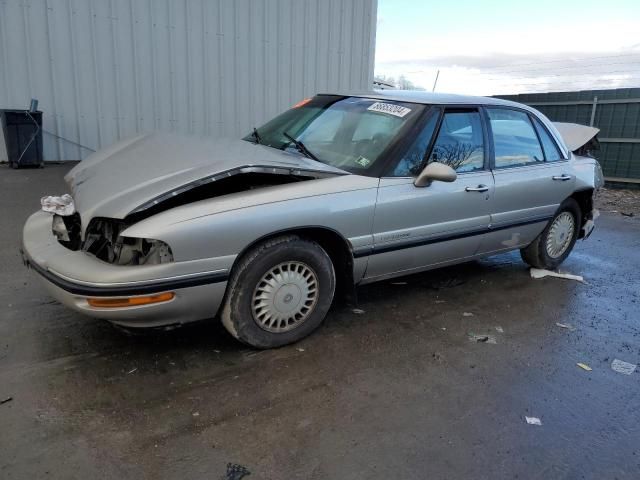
[(501, 46)]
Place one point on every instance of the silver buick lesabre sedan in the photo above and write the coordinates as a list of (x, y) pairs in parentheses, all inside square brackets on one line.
[(340, 190)]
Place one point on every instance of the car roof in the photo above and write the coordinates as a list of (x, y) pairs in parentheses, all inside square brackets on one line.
[(431, 98)]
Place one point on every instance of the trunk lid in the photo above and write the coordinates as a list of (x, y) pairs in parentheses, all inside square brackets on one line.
[(575, 135)]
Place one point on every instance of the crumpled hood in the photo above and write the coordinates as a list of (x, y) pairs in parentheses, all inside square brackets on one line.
[(115, 181)]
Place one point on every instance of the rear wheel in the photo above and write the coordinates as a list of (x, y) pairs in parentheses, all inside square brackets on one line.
[(556, 241), (279, 292)]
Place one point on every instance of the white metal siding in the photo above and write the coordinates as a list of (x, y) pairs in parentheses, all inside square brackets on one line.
[(106, 69)]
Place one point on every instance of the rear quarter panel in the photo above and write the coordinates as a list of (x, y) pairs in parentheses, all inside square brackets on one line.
[(588, 173)]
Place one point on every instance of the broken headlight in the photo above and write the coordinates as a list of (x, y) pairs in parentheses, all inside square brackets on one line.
[(104, 240), (59, 228), (140, 251), (67, 230)]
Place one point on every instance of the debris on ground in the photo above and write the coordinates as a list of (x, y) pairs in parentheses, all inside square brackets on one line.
[(236, 472), (358, 311), (571, 328), (132, 370), (300, 349), (533, 420), (440, 301), (623, 367), (195, 414), (584, 366), (618, 200), (540, 273), (467, 314), (482, 338), (499, 329), (5, 400), (437, 357)]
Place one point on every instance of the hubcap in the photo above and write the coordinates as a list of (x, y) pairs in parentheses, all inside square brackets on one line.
[(560, 234), (285, 297)]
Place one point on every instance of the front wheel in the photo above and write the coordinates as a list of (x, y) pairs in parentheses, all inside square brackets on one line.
[(556, 241), (279, 292)]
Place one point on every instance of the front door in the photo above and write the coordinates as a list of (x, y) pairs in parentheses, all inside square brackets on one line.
[(416, 228)]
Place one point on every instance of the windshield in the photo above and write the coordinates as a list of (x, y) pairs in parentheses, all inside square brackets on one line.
[(346, 132)]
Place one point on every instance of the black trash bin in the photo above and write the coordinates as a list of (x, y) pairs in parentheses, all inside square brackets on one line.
[(23, 137)]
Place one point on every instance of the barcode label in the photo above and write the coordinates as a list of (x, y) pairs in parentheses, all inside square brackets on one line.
[(390, 108)]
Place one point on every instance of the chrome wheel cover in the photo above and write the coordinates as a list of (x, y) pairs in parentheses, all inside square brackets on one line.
[(560, 234), (284, 297)]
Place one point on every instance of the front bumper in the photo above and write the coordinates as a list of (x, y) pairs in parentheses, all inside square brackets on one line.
[(74, 276)]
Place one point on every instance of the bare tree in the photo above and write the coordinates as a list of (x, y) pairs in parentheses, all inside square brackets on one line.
[(456, 155), (403, 83)]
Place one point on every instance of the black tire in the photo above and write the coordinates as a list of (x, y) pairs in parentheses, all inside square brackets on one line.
[(536, 254), (238, 313)]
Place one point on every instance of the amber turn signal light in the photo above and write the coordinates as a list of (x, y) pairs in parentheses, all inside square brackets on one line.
[(130, 302)]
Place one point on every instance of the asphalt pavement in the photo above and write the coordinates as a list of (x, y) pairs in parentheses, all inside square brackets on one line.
[(433, 379)]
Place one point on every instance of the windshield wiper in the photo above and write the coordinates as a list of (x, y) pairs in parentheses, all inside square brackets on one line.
[(256, 135), (300, 147)]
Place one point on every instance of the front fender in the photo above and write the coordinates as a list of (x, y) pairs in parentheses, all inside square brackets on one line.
[(193, 235)]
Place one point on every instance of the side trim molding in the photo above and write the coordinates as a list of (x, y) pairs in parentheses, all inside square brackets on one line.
[(385, 248)]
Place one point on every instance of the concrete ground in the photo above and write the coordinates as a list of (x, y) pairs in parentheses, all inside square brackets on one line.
[(397, 392)]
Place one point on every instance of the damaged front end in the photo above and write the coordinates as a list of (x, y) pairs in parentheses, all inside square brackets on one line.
[(103, 239), (103, 236)]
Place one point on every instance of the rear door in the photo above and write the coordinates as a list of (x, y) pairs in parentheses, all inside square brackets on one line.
[(418, 227), (531, 177)]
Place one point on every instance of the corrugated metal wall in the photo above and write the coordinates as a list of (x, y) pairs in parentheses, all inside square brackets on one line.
[(615, 112), (106, 69)]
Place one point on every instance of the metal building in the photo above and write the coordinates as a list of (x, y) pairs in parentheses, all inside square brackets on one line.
[(615, 112), (106, 69)]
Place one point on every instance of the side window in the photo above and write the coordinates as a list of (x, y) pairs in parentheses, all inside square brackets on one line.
[(551, 152), (459, 143), (514, 139), (412, 163)]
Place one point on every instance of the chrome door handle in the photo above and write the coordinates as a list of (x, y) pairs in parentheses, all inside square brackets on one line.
[(479, 188), (563, 178)]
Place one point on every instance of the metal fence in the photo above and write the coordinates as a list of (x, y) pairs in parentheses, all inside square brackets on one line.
[(615, 112)]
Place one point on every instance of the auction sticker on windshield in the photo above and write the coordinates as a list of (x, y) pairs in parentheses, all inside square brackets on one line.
[(390, 108), (363, 162)]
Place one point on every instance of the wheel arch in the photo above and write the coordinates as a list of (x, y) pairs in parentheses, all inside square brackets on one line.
[(584, 199), (333, 242)]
